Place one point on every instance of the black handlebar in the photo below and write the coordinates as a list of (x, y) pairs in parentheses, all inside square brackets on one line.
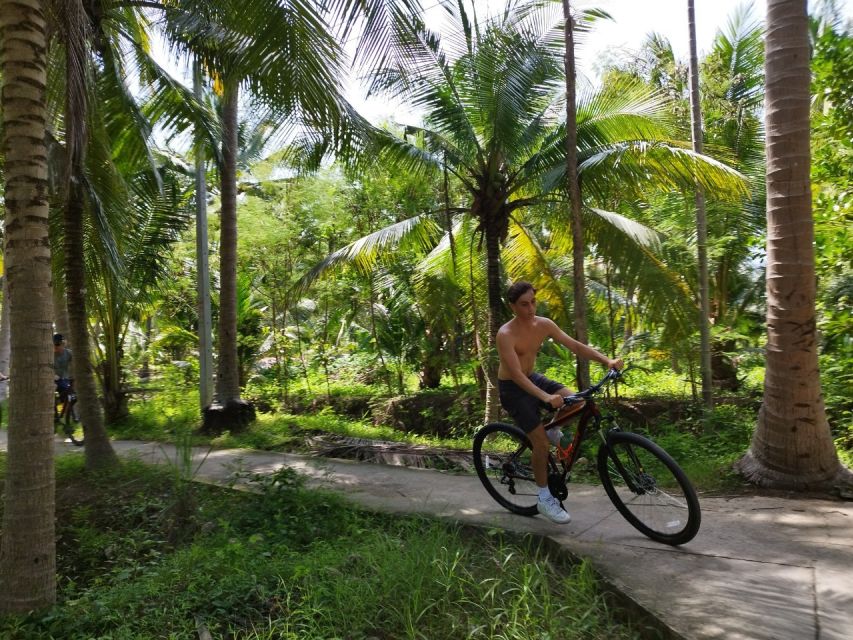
[(610, 376)]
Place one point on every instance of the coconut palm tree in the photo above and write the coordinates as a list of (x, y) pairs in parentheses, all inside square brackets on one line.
[(154, 223), (100, 48), (286, 58), (701, 221), (28, 548), (792, 446), (493, 97), (574, 192)]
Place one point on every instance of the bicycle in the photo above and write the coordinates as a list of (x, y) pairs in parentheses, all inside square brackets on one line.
[(643, 482), (64, 414)]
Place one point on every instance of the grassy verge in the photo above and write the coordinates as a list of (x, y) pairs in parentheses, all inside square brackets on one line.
[(140, 558)]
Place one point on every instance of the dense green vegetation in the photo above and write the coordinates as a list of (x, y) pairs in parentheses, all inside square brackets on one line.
[(288, 562), (361, 296)]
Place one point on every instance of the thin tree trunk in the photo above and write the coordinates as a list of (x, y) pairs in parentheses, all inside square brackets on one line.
[(4, 340), (60, 311), (301, 352), (578, 277), (386, 374), (229, 412), (228, 371), (28, 546), (479, 372), (792, 445), (701, 225), (145, 372), (205, 328), (99, 452), (493, 279)]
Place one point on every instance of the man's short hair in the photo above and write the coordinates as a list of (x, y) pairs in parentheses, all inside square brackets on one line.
[(518, 289), (58, 339)]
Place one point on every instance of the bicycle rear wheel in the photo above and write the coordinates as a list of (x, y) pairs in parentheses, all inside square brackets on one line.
[(502, 459), (648, 488)]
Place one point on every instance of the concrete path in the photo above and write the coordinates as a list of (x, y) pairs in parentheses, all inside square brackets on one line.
[(760, 567)]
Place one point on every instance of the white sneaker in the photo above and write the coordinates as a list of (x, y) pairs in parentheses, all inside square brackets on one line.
[(551, 509)]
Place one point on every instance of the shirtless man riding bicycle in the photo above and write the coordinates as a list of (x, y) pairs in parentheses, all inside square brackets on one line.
[(522, 390)]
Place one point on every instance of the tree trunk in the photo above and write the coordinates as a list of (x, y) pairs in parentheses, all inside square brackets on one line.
[(228, 371), (792, 446), (229, 411), (60, 312), (205, 329), (99, 451), (115, 394), (573, 187), (701, 225), (4, 340), (493, 233), (28, 547)]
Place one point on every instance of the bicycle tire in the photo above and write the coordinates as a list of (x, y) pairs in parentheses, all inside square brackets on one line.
[(648, 488), (502, 460), (69, 426)]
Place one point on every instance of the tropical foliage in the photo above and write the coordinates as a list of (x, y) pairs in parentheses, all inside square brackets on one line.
[(366, 280)]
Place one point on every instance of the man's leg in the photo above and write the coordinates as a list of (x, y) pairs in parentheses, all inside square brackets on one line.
[(547, 505)]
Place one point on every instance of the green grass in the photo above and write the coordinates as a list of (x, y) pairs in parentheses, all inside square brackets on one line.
[(706, 451), (288, 562)]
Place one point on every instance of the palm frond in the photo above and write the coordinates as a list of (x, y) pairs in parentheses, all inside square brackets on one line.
[(415, 232)]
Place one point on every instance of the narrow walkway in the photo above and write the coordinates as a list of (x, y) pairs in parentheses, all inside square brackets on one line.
[(760, 568)]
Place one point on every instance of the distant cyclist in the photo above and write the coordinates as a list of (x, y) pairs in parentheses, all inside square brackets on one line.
[(61, 365)]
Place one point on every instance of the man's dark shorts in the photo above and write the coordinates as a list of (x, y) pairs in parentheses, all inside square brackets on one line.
[(523, 407)]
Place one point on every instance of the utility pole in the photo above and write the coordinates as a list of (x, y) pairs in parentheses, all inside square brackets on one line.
[(205, 346)]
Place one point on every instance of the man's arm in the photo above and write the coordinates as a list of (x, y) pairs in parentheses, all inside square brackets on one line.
[(580, 349)]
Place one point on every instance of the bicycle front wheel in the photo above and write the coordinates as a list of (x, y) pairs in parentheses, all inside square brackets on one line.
[(648, 488), (502, 459)]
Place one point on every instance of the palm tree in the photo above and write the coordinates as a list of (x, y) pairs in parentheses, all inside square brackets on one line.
[(284, 56), (701, 222), (574, 191), (493, 96), (792, 446), (28, 548), (100, 46), (154, 222)]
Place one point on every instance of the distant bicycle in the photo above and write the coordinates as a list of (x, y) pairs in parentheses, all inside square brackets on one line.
[(64, 413), (642, 481)]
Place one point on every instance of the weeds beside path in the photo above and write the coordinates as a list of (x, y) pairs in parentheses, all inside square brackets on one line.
[(761, 566)]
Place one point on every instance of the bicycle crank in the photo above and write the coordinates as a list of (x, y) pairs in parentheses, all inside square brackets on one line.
[(557, 485)]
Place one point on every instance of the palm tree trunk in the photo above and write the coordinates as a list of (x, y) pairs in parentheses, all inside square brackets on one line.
[(28, 546), (4, 340), (493, 279), (578, 277), (228, 371), (205, 331), (99, 451), (229, 412), (60, 311), (701, 225), (792, 446)]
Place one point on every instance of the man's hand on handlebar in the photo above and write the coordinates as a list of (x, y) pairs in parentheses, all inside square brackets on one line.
[(555, 401), (615, 364)]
